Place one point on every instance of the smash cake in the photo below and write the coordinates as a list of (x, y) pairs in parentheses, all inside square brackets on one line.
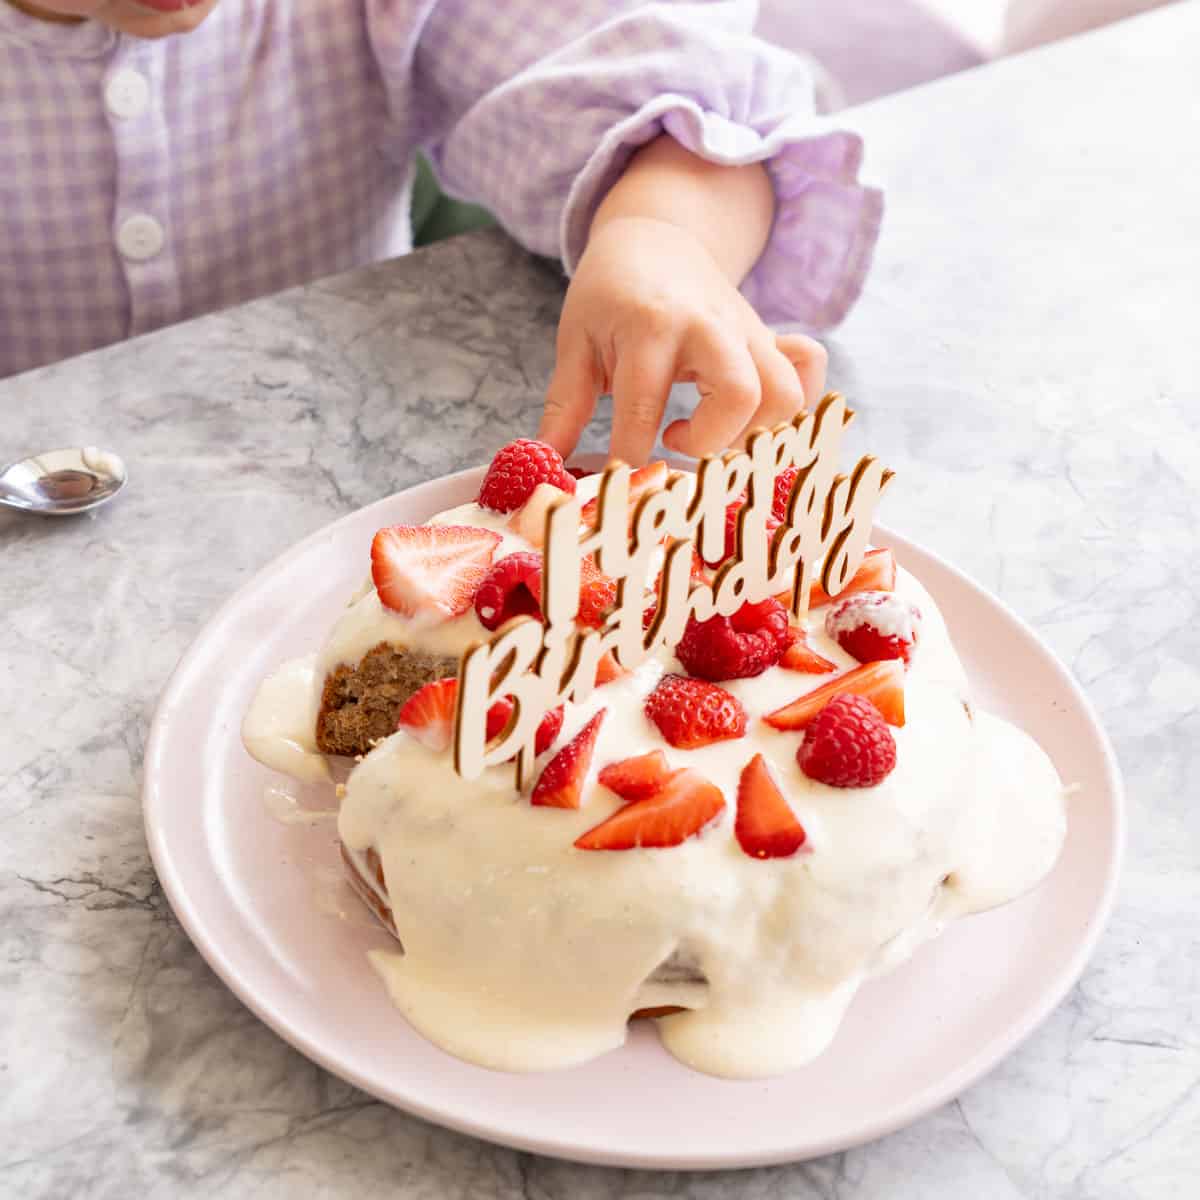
[(609, 767)]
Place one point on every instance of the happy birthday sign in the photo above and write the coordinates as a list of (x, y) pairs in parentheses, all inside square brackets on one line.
[(542, 663)]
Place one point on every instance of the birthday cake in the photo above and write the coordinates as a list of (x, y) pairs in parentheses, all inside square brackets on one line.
[(610, 767)]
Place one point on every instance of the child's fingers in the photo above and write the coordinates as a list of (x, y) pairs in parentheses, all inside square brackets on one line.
[(730, 393), (782, 393), (809, 359), (641, 383), (570, 398)]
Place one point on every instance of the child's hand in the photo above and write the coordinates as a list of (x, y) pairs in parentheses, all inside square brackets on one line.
[(649, 305)]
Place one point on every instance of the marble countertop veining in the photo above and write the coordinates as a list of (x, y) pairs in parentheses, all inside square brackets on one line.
[(1024, 355)]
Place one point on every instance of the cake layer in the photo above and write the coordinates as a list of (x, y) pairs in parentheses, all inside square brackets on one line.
[(359, 704)]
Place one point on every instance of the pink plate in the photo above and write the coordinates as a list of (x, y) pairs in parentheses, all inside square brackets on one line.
[(262, 902)]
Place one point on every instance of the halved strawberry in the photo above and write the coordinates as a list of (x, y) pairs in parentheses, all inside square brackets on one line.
[(597, 593), (636, 778), (880, 682), (608, 669), (876, 573), (548, 728), (430, 568), (561, 781), (428, 714), (800, 656), (765, 827), (644, 479), (684, 804)]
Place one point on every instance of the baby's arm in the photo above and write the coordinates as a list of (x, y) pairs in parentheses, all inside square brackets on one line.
[(655, 300), (593, 130)]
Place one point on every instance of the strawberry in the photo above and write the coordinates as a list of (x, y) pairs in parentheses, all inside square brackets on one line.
[(580, 472), (872, 626), (643, 480), (731, 523), (736, 647), (608, 669), (516, 471), (848, 745), (765, 827), (597, 594), (636, 778), (800, 656), (428, 714), (876, 573), (882, 683), (684, 804), (561, 781), (784, 482), (430, 568), (548, 728), (690, 713)]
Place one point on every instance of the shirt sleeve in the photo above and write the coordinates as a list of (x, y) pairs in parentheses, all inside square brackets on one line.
[(534, 108)]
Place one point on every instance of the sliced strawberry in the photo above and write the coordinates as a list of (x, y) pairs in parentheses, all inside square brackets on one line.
[(636, 778), (876, 573), (684, 804), (784, 482), (765, 827), (548, 728), (430, 568), (428, 714), (608, 669), (597, 594), (872, 626), (880, 682), (800, 656), (561, 782), (731, 524), (643, 480)]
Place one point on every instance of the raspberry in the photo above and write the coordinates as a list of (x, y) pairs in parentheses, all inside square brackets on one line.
[(690, 713), (731, 520), (511, 588), (848, 745), (874, 626), (517, 469), (736, 647), (784, 482)]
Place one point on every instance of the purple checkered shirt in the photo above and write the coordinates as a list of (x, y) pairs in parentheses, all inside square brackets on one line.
[(142, 182)]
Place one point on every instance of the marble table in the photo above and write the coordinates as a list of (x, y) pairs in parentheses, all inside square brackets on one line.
[(1024, 355)]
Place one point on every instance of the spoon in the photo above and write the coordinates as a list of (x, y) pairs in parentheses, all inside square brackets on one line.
[(60, 483)]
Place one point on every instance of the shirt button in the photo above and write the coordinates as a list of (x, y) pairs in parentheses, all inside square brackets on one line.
[(140, 237), (126, 94)]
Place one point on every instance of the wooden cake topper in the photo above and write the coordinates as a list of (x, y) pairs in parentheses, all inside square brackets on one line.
[(542, 663)]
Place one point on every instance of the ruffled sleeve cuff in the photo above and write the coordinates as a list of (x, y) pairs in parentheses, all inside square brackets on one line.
[(826, 222)]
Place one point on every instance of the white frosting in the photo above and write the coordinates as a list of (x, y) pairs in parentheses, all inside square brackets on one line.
[(280, 727), (524, 953)]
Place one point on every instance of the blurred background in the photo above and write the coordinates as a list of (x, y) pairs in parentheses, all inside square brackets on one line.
[(862, 49)]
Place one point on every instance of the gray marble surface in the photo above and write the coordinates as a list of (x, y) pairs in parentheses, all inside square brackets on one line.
[(1024, 355)]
